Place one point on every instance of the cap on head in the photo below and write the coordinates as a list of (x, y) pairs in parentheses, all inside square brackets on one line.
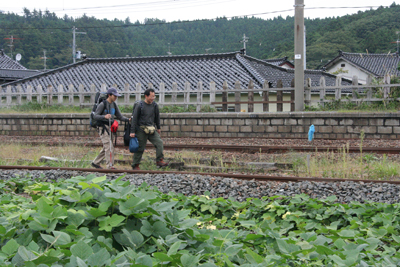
[(113, 91)]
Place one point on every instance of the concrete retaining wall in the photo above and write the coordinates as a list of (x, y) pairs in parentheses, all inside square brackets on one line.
[(331, 125)]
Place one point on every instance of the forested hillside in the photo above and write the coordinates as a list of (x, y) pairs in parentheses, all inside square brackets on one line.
[(371, 31)]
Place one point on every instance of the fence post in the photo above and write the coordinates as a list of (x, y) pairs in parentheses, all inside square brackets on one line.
[(322, 92), (386, 89), (60, 96), (126, 94), (19, 94), (250, 97), (9, 97), (237, 96), (279, 98), (174, 95), (81, 95), (225, 87), (338, 91), (265, 95), (212, 94), (92, 93), (29, 93), (199, 96), (307, 91), (186, 94), (354, 92), (50, 95), (71, 94), (138, 94), (369, 90), (39, 94), (161, 99), (292, 107), (103, 87)]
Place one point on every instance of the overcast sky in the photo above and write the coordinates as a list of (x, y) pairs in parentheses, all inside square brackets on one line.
[(171, 10)]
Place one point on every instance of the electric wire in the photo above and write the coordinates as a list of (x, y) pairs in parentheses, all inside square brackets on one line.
[(180, 21)]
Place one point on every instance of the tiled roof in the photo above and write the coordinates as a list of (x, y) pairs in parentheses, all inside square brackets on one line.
[(376, 64), (279, 61), (7, 63), (230, 67), (287, 75), (12, 74)]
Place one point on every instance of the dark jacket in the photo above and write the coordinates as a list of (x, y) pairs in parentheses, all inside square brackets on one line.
[(145, 115)]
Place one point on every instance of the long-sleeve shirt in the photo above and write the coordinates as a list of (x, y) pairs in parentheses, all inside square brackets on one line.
[(149, 115), (112, 109)]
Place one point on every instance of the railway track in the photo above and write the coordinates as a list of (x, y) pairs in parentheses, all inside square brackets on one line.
[(245, 149), (265, 178)]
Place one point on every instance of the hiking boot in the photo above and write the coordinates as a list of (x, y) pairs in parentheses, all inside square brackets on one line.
[(161, 163), (136, 168), (94, 165)]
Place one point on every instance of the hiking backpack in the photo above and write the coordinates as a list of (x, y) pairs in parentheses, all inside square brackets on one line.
[(99, 98)]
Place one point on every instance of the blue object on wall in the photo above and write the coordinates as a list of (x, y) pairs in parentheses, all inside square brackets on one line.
[(311, 132)]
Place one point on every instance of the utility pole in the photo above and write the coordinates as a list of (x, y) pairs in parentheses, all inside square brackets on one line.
[(44, 58), (299, 55), (11, 43), (73, 42), (244, 41)]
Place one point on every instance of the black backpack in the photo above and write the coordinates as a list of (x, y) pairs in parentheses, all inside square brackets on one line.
[(99, 98)]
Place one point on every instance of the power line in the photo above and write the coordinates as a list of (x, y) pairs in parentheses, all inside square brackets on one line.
[(181, 21)]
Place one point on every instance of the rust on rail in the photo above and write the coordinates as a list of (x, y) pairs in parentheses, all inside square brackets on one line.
[(265, 178)]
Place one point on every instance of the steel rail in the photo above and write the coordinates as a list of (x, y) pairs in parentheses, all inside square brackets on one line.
[(265, 178), (248, 149)]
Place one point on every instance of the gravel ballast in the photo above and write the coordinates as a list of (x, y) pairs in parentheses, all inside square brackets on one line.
[(192, 184)]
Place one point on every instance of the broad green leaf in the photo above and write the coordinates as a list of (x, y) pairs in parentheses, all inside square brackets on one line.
[(189, 260), (162, 257), (188, 223), (62, 238), (285, 247), (81, 250), (337, 260), (48, 238), (160, 229), (396, 238), (109, 222), (75, 219), (324, 250), (25, 254), (101, 258), (233, 249), (145, 260), (174, 248), (252, 237), (60, 213), (133, 205), (46, 260), (96, 212), (80, 262), (10, 247), (253, 257), (347, 233), (44, 208), (165, 206), (99, 179)]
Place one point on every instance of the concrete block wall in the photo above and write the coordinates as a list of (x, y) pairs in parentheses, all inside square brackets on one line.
[(328, 125)]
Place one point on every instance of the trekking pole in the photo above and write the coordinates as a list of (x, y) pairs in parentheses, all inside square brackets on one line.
[(109, 128)]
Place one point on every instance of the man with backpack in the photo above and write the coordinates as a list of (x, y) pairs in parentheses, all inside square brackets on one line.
[(146, 126), (104, 116)]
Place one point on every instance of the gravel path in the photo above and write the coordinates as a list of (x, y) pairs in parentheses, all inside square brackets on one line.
[(238, 189)]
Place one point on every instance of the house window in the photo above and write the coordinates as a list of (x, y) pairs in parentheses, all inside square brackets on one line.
[(343, 65)]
